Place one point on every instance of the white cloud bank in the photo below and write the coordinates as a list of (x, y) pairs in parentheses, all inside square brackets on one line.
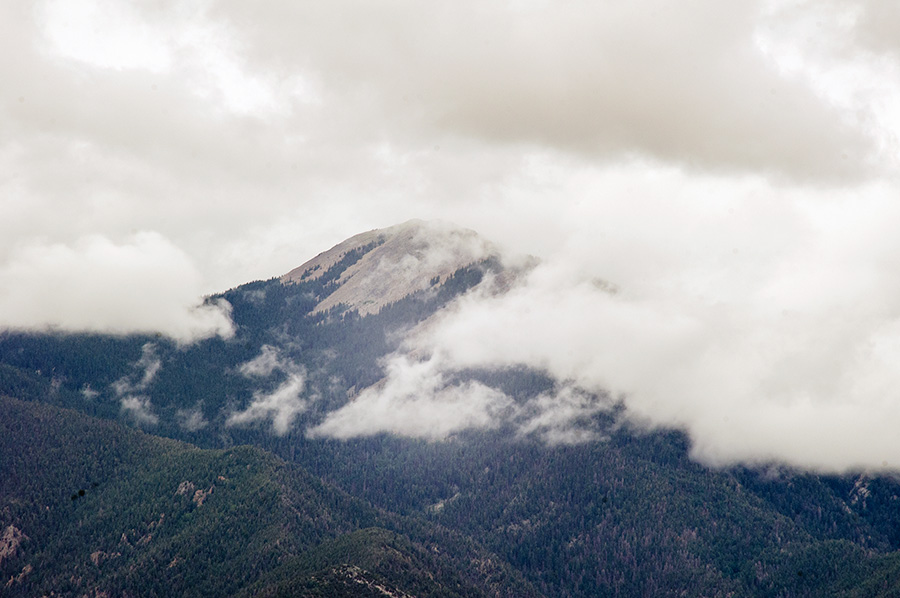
[(144, 284), (781, 347)]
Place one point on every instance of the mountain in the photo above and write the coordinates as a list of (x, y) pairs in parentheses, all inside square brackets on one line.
[(625, 512), (389, 264)]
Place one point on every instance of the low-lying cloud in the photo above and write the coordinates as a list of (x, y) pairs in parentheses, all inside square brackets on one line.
[(416, 401), (772, 336), (564, 417), (418, 398), (129, 389), (147, 367), (139, 410), (265, 364), (281, 405), (191, 420)]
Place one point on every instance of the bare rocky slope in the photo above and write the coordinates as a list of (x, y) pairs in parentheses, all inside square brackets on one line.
[(395, 262)]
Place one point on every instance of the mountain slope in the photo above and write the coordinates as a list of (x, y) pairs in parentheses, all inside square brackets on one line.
[(392, 263), (87, 507)]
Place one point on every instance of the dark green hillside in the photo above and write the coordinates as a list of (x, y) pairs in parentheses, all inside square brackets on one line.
[(629, 516), (375, 561), (118, 510), (89, 506)]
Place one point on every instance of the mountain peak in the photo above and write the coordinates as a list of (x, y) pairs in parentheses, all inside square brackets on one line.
[(396, 261)]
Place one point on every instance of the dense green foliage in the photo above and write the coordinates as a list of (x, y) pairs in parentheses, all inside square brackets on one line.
[(103, 508), (373, 561)]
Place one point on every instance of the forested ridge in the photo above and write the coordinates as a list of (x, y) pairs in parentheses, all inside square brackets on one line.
[(95, 506)]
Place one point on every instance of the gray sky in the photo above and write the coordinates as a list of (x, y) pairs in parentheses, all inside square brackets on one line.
[(730, 167)]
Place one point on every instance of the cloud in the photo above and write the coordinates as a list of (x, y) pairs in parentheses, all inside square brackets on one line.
[(191, 420), (127, 389), (415, 401), (685, 84), (144, 284), (140, 410), (149, 364), (564, 417), (762, 348), (268, 361), (283, 404)]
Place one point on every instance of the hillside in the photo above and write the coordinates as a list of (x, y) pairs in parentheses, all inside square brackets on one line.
[(90, 508)]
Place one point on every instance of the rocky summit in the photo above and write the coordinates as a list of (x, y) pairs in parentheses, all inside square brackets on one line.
[(393, 263)]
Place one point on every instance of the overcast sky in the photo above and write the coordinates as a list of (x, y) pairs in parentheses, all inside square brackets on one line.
[(732, 167)]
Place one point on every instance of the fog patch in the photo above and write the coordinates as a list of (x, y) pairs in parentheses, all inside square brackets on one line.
[(564, 417), (415, 401), (191, 420), (134, 405), (148, 365), (263, 365), (139, 410), (281, 405)]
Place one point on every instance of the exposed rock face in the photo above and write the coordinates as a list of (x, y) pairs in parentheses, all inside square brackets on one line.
[(20, 577), (197, 496), (99, 556), (10, 540), (201, 495), (408, 257), (185, 487)]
